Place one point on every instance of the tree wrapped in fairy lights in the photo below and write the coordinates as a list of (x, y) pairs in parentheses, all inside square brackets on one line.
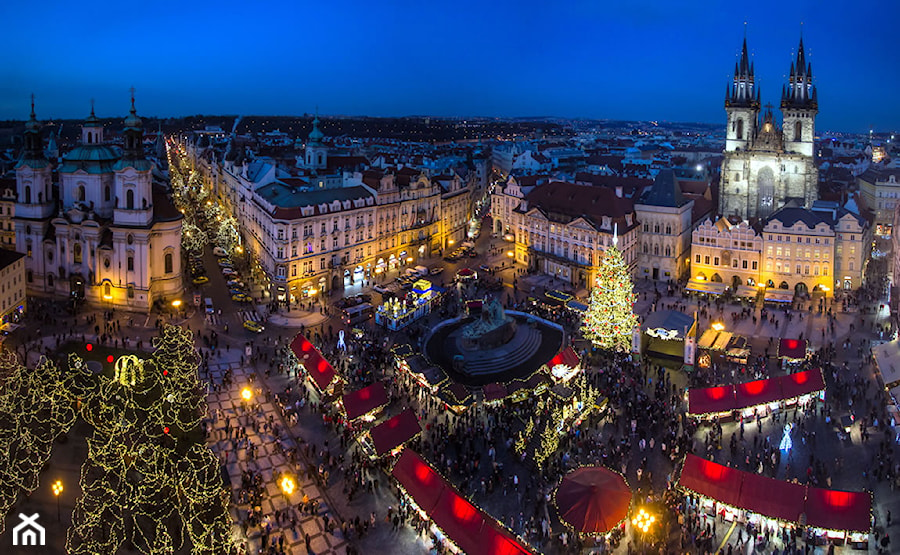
[(610, 319)]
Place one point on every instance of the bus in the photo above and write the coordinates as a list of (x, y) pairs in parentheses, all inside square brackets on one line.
[(356, 314)]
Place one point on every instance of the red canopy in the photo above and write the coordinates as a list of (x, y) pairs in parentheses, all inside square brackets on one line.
[(770, 497), (758, 392), (460, 393), (711, 480), (494, 391), (365, 400), (792, 348), (422, 483), (593, 499), (838, 510), (567, 357), (497, 541), (318, 368), (395, 431), (801, 383), (460, 520), (711, 399)]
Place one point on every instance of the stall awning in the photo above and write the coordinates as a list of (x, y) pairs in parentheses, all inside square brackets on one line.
[(779, 295), (566, 357), (460, 520), (838, 510), (419, 480), (312, 360), (707, 339), (792, 348), (394, 432), (722, 341), (746, 291), (365, 400), (773, 498), (558, 296), (711, 480), (801, 383), (576, 306), (459, 392), (756, 393), (494, 391), (711, 399), (710, 287), (887, 359)]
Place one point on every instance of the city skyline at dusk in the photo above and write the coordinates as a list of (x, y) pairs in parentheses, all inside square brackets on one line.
[(653, 62)]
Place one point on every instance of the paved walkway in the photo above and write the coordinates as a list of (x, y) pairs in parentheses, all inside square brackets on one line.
[(270, 463)]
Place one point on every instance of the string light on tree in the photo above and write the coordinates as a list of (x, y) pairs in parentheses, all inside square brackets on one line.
[(610, 319)]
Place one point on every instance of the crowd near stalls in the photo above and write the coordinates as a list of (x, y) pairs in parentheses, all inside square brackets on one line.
[(750, 400), (764, 504), (398, 312)]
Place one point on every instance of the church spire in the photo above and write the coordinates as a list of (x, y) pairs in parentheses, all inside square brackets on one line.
[(34, 147), (800, 91), (133, 133), (743, 91)]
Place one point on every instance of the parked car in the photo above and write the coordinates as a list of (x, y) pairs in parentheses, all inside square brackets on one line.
[(255, 327), (200, 280), (381, 289), (485, 268), (229, 272), (436, 270), (241, 298)]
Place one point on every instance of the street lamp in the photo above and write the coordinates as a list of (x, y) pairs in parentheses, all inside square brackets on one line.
[(718, 326), (57, 489), (176, 303), (287, 485), (246, 394), (642, 521)]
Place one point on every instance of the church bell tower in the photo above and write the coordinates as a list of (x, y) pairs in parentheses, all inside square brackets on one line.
[(741, 105)]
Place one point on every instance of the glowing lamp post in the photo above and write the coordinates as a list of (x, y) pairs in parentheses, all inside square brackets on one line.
[(287, 485), (57, 489), (642, 521), (246, 394), (718, 326)]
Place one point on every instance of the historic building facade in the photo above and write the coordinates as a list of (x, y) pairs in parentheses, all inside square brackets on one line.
[(112, 235), (766, 165)]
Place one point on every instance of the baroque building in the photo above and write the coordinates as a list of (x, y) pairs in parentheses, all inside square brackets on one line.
[(765, 164), (107, 233)]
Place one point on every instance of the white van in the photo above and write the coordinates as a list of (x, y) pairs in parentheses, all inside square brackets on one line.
[(421, 270)]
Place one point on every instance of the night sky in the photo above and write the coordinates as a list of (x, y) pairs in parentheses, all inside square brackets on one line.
[(615, 59)]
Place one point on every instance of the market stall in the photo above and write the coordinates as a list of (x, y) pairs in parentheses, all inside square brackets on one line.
[(748, 397), (664, 333), (746, 292), (397, 313), (366, 402), (778, 296), (469, 529), (705, 287), (792, 351), (747, 496), (393, 433), (420, 370), (593, 499), (318, 370), (564, 365), (494, 392)]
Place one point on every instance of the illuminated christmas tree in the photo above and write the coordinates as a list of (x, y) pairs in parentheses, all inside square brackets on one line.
[(610, 319)]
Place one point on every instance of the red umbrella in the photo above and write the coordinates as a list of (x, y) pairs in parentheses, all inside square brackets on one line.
[(593, 499)]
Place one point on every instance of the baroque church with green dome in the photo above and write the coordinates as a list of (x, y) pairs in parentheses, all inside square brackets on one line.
[(105, 232)]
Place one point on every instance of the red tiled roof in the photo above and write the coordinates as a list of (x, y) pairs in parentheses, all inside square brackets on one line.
[(361, 402), (575, 201)]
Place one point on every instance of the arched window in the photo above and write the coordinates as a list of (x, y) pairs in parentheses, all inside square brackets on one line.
[(168, 263), (129, 199), (739, 129), (27, 194), (90, 137), (76, 253), (798, 131), (668, 251), (107, 290), (646, 248), (656, 250), (668, 230), (50, 280), (130, 264), (107, 194), (81, 193)]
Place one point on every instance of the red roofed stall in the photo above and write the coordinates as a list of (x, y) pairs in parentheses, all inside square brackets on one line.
[(801, 383), (771, 497), (711, 400), (494, 392), (363, 401), (792, 349), (711, 479), (756, 393), (467, 526), (838, 510), (394, 432), (319, 369)]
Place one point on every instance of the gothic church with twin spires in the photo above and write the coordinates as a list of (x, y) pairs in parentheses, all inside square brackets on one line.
[(766, 165)]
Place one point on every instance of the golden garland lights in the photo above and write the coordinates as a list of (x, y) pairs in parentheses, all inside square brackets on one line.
[(643, 520)]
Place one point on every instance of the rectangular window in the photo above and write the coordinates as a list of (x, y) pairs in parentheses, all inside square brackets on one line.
[(734, 263), (716, 261), (698, 259), (744, 264), (706, 259), (798, 269), (130, 263), (754, 265)]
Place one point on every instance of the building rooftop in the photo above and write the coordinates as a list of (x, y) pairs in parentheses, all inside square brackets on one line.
[(7, 257)]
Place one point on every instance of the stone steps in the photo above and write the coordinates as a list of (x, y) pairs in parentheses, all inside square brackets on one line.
[(517, 351)]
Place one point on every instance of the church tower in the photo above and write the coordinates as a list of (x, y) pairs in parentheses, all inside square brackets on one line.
[(34, 182), (134, 181), (316, 152), (741, 105), (799, 106)]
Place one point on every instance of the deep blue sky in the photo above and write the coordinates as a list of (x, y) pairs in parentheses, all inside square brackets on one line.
[(616, 59)]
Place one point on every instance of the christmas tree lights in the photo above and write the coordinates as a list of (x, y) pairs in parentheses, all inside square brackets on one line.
[(610, 319)]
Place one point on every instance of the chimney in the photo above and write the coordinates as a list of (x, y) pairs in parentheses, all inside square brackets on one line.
[(619, 191)]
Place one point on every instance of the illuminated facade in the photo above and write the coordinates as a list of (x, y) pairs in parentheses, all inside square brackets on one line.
[(880, 190), (764, 165), (723, 252)]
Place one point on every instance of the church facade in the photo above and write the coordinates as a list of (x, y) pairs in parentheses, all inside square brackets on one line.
[(765, 165), (107, 233)]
